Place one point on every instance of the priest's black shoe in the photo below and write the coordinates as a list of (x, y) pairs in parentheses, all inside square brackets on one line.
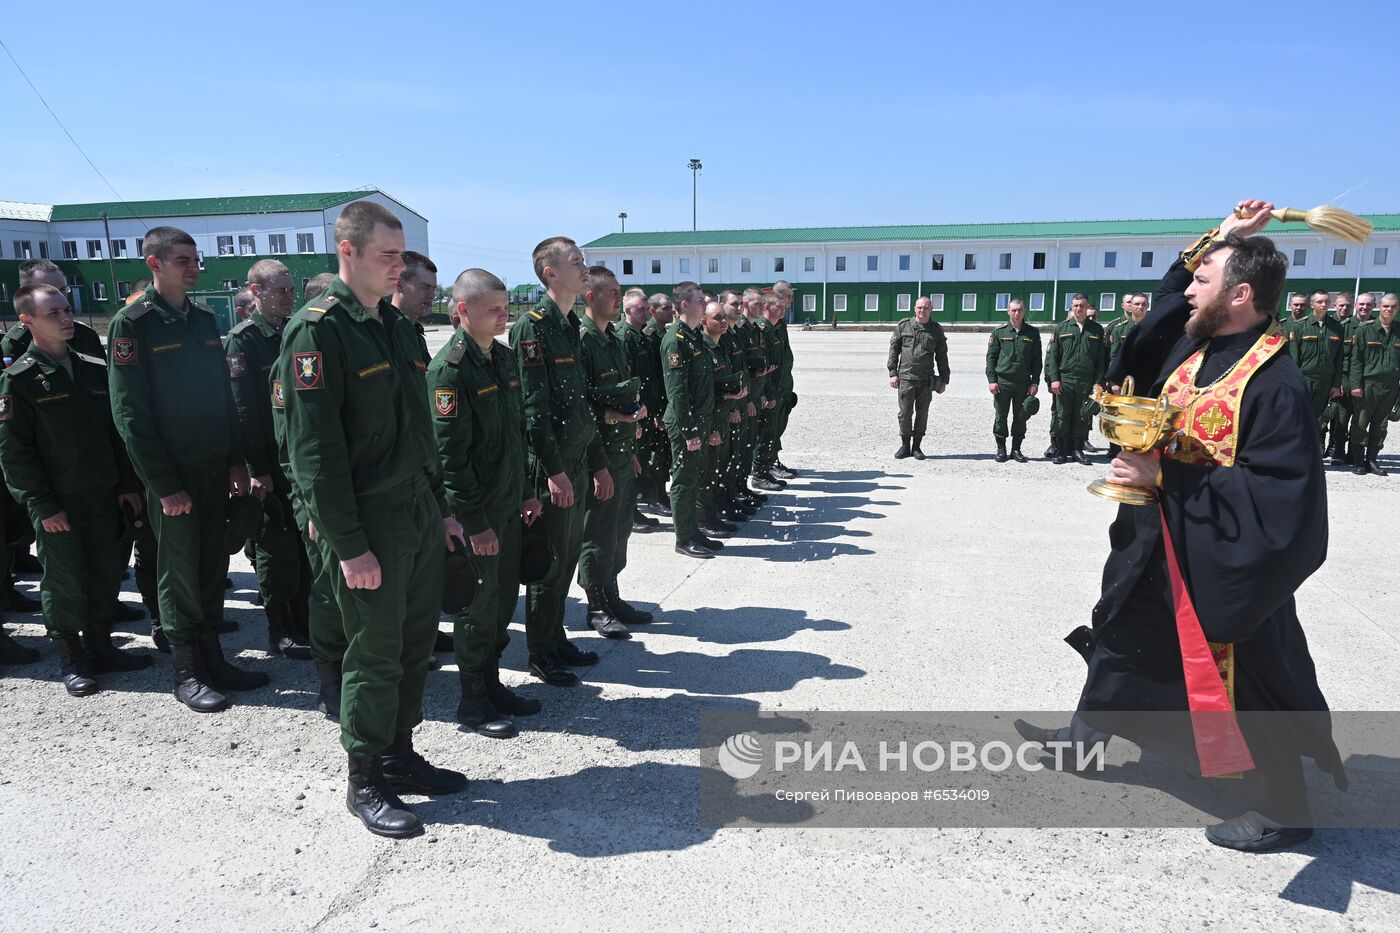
[(552, 671), (223, 675), (407, 772), (12, 652), (502, 697), (1034, 733), (476, 711), (693, 548), (369, 798), (74, 667), (105, 656), (621, 610), (1254, 832), (574, 656), (191, 682)]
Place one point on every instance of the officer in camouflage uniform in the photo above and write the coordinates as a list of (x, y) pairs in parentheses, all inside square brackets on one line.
[(644, 364), (918, 367), (1315, 344), (1013, 375), (564, 452), (173, 406), (1373, 381), (64, 462), (690, 403), (1075, 363)]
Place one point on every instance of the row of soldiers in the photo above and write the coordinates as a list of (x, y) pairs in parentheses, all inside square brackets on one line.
[(365, 475)]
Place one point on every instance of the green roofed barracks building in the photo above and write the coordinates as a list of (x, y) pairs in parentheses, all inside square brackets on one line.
[(103, 259), (972, 271)]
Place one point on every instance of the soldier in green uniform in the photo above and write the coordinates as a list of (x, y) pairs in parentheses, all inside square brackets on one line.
[(479, 418), (173, 406), (918, 367), (615, 396), (1134, 310), (17, 338), (727, 358), (763, 364), (746, 357), (414, 295), (777, 386), (564, 450), (645, 367), (690, 403), (1297, 309), (1341, 410), (364, 461), (1315, 344), (1074, 363), (65, 464), (251, 350), (782, 294), (1013, 374), (656, 444), (1373, 381)]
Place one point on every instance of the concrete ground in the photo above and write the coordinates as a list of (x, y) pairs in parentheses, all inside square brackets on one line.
[(869, 584)]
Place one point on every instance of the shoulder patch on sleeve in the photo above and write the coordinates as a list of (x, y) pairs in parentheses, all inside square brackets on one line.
[(445, 402), (673, 358), (306, 369), (279, 394), (237, 365), (530, 353), (7, 407), (124, 350)]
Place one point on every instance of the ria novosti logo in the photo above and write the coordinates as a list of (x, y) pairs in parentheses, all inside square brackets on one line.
[(740, 756)]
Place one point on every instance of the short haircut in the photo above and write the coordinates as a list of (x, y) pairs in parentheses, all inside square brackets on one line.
[(265, 270), (1390, 296), (1255, 261), (140, 285), (634, 292), (686, 291), (357, 222), (1080, 296), (415, 262), (32, 269), (724, 295), (475, 284), (318, 284), (659, 299), (159, 241), (27, 296), (1299, 296), (244, 298), (549, 253), (1013, 301), (599, 277), (752, 294), (1319, 291), (783, 286)]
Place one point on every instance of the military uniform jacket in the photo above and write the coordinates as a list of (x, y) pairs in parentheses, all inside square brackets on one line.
[(479, 418), (1077, 355), (557, 412), (644, 363), (251, 351), (736, 358), (1316, 346), (18, 338), (1116, 333), (724, 355), (1349, 327), (785, 359), (356, 409), (755, 357), (655, 333), (690, 381), (57, 437), (610, 383), (1375, 355), (772, 343), (1013, 356), (918, 351), (171, 397)]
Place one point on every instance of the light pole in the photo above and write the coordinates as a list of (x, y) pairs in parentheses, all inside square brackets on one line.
[(623, 217), (694, 166)]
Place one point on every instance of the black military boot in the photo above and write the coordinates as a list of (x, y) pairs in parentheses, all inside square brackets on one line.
[(12, 652), (899, 454), (767, 483), (694, 548), (914, 448), (641, 524), (191, 682), (476, 712), (1053, 450), (407, 772), (782, 471), (280, 642), (224, 675), (1016, 451), (574, 656), (502, 697), (74, 667), (1358, 463), (1080, 456), (1001, 456), (105, 657), (158, 636), (328, 702), (298, 619), (627, 615), (552, 670), (370, 798), (662, 505), (1372, 464), (712, 526), (1062, 450), (600, 617)]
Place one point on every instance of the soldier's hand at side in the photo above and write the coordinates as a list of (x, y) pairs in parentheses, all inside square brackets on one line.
[(1130, 469), (454, 532), (1034, 388), (363, 572), (641, 413), (57, 523), (734, 416), (753, 412), (486, 544), (1335, 393), (1357, 393), (262, 487), (177, 503), (941, 387), (530, 510), (602, 485), (561, 491), (132, 501), (714, 438), (1056, 387), (237, 481), (894, 382), (311, 531), (993, 388), (692, 444)]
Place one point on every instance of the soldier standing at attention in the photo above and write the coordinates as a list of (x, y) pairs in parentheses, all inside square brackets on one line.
[(1074, 363), (1339, 425), (690, 404), (615, 396), (1013, 375), (918, 367), (414, 296), (17, 338), (782, 291), (1297, 309), (762, 367), (644, 366), (365, 463), (728, 359), (746, 357), (1315, 343), (480, 423), (1373, 379), (1134, 310), (65, 463), (657, 458), (1365, 307), (173, 406), (779, 388), (251, 349), (564, 450)]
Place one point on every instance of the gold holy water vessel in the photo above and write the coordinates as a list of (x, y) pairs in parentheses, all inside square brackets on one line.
[(1138, 425)]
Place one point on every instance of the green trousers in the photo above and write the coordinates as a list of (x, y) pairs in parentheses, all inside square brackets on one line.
[(780, 421), (82, 567), (1372, 420), (480, 631), (713, 477), (761, 458), (390, 630), (1008, 398), (1068, 418), (608, 525), (1343, 417), (914, 396), (284, 573), (687, 469), (191, 563), (1318, 391), (736, 472), (545, 601), (654, 453), (327, 627)]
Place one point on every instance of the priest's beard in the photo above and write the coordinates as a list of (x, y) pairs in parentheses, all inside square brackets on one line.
[(1208, 320)]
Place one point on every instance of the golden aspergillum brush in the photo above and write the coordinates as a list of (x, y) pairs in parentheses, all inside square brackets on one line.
[(1323, 219)]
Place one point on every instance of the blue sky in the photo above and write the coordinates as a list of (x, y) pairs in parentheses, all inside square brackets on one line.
[(506, 123)]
